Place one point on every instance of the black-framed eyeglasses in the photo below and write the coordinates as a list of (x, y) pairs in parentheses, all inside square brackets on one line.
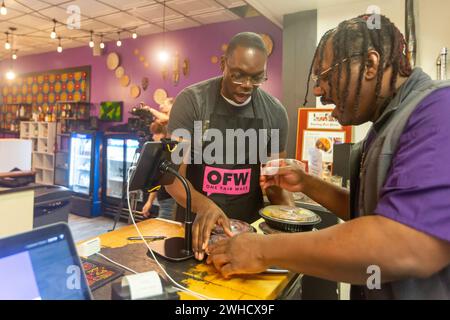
[(240, 79), (255, 81), (324, 73)]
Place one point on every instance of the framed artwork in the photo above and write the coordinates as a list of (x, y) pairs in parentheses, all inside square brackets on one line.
[(111, 111), (317, 133), (44, 89)]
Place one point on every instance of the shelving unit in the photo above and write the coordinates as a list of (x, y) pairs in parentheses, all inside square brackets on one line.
[(43, 137), (10, 116), (73, 115)]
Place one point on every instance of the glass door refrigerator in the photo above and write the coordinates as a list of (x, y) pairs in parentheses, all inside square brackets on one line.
[(84, 173), (118, 154)]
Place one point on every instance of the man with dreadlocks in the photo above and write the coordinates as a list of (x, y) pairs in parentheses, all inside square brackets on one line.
[(398, 227)]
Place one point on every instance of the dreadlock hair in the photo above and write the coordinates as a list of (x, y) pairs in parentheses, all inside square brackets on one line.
[(353, 39), (319, 52)]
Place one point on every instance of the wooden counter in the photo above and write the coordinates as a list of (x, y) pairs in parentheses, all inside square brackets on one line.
[(196, 276), (16, 210)]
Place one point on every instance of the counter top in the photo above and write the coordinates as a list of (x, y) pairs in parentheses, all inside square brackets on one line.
[(20, 189), (194, 275)]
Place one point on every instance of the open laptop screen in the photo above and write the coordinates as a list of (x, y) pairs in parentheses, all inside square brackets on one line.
[(42, 265)]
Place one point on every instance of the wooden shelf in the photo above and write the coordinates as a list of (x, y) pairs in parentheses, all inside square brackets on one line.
[(46, 153), (73, 102), (43, 136), (16, 104), (46, 169)]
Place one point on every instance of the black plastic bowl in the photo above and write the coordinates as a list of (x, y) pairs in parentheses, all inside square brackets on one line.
[(288, 225)]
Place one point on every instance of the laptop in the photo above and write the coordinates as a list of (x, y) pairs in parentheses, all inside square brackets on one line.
[(42, 264)]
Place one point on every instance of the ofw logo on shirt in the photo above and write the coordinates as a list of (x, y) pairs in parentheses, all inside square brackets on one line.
[(225, 181)]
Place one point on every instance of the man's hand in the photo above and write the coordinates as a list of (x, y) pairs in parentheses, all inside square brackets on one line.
[(204, 223), (160, 117), (146, 208), (242, 254), (286, 174)]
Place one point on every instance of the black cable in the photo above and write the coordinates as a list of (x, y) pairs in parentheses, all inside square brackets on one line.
[(166, 167)]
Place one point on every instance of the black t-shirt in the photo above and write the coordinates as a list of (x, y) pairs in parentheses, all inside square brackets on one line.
[(197, 102), (163, 194)]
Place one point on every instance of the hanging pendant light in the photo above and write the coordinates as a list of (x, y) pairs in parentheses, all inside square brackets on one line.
[(163, 55), (60, 48), (7, 44), (119, 42), (102, 44), (91, 43), (53, 33), (3, 10), (10, 75)]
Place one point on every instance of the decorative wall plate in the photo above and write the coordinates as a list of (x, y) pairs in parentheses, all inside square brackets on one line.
[(135, 91), (144, 83), (186, 67), (112, 61), (160, 96), (120, 72), (125, 81)]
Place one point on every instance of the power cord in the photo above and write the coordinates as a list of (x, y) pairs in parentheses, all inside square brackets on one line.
[(176, 284), (116, 263)]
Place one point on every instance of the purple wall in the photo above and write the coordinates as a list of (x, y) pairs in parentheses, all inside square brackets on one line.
[(197, 44)]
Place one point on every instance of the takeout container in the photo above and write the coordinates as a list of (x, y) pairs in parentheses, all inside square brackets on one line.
[(290, 219), (237, 227)]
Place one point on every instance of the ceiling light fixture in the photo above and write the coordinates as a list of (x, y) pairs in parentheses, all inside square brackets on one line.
[(60, 48), (53, 34), (7, 44), (102, 44), (14, 55), (163, 55), (119, 43), (10, 75), (3, 10), (134, 35), (91, 43)]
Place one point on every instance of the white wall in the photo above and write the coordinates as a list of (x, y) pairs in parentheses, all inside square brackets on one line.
[(15, 153), (330, 16), (432, 29), (433, 32)]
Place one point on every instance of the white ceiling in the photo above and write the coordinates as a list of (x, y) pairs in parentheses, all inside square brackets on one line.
[(33, 20), (276, 9)]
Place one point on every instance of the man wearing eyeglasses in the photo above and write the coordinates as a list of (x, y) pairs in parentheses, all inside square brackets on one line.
[(396, 241), (225, 189)]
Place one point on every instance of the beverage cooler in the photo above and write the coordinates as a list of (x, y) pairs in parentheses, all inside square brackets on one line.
[(118, 154), (84, 173)]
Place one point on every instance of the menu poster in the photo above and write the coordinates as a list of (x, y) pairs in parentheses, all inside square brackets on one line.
[(322, 120), (317, 133), (323, 141)]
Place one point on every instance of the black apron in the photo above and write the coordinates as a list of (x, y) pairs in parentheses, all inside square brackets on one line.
[(233, 187)]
